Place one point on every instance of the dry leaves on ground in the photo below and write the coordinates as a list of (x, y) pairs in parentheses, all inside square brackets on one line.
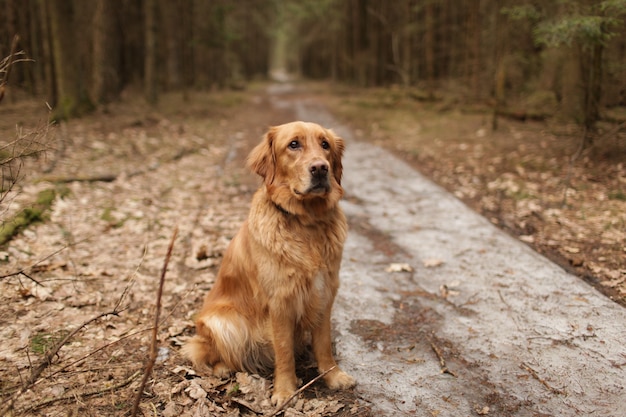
[(131, 177)]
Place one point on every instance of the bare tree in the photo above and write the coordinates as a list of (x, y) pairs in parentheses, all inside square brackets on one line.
[(150, 59), (106, 51)]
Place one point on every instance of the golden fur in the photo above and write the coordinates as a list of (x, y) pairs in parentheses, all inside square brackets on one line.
[(280, 273)]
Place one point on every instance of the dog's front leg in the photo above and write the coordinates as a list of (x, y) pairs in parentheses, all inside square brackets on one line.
[(322, 349), (284, 361)]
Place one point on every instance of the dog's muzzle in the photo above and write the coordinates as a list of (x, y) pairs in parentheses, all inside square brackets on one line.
[(319, 177)]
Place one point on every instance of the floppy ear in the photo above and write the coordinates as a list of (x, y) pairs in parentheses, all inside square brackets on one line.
[(338, 154), (262, 159)]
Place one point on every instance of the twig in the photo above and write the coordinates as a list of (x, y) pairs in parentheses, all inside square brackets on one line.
[(47, 360), (87, 178), (45, 258), (301, 389), (49, 357), (442, 361), (118, 309), (72, 396), (543, 382), (153, 348), (5, 79), (122, 338)]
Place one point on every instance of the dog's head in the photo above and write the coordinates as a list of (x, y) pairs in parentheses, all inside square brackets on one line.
[(300, 163)]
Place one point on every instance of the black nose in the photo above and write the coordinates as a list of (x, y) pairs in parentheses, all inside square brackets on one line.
[(319, 169)]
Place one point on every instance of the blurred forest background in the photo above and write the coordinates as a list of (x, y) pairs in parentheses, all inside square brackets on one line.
[(557, 57)]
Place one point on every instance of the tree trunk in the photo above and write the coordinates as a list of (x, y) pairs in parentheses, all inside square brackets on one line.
[(11, 22), (592, 75), (429, 41), (150, 71), (172, 17), (571, 83), (475, 45), (106, 44), (46, 53), (72, 99)]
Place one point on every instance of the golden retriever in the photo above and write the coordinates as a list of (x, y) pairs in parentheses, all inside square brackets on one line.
[(280, 274)]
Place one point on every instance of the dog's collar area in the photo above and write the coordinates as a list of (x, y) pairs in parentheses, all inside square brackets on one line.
[(282, 209)]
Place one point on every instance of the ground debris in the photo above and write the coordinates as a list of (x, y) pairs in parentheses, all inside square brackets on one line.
[(104, 241)]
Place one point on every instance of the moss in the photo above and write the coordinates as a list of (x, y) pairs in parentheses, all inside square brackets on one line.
[(37, 212), (69, 108), (107, 216), (617, 195)]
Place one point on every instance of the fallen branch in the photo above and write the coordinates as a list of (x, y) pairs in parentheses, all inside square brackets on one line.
[(111, 177), (543, 382), (442, 361), (45, 258), (72, 396), (117, 307), (301, 389), (49, 358), (86, 178), (153, 346), (50, 355)]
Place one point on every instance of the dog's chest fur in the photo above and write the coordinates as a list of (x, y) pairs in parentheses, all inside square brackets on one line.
[(300, 261)]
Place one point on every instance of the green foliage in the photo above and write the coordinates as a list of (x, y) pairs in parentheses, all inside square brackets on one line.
[(586, 30), (41, 343), (617, 195), (576, 23), (522, 12), (614, 7), (234, 389)]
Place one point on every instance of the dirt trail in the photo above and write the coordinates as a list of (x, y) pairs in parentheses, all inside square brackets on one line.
[(481, 326)]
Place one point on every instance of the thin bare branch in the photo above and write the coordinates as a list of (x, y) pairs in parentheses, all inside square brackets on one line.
[(301, 389), (7, 68), (72, 396), (49, 358), (154, 344)]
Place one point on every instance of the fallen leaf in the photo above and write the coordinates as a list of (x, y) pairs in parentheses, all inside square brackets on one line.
[(432, 262), (483, 411), (445, 291), (195, 391), (399, 268), (527, 238), (571, 249)]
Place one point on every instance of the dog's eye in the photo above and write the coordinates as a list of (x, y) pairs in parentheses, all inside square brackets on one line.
[(294, 144), (325, 144)]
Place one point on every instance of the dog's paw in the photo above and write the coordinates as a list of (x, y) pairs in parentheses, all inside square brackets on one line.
[(221, 371), (279, 397), (338, 379)]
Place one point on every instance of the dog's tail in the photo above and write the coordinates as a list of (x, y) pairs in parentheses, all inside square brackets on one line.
[(228, 339), (200, 351)]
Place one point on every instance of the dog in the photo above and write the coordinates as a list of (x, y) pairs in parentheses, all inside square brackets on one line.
[(280, 273)]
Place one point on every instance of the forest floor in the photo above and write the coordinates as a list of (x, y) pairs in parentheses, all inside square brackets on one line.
[(128, 176)]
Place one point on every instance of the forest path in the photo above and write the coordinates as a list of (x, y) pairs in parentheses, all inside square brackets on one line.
[(482, 325)]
